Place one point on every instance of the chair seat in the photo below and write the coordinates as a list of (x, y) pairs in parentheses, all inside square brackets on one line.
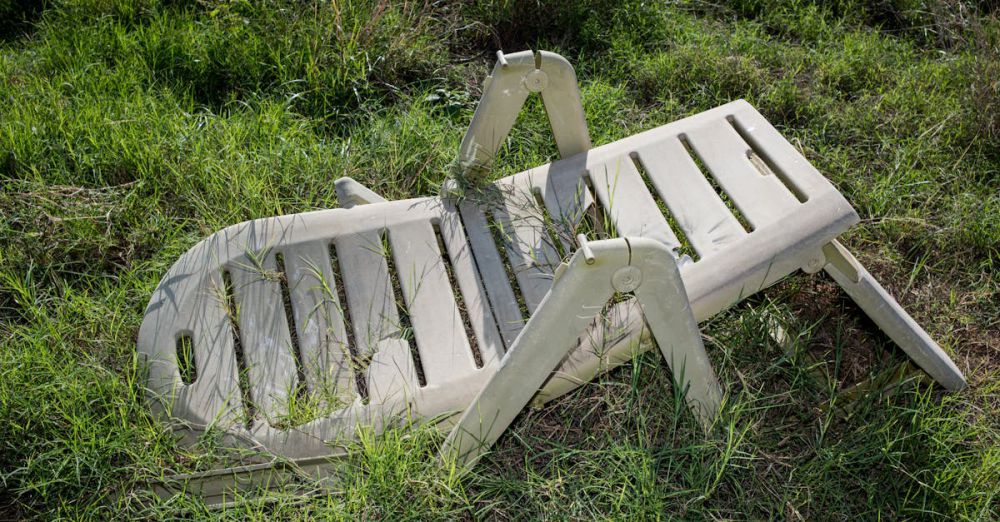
[(399, 308)]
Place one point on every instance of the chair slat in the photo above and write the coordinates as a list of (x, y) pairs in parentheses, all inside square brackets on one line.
[(619, 186), (264, 334), (214, 396), (319, 320), (437, 324), (494, 277), (477, 305), (392, 374), (567, 199), (762, 199), (697, 209), (796, 169), (532, 254), (374, 318)]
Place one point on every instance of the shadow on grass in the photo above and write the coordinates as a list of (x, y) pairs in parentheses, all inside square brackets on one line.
[(18, 18)]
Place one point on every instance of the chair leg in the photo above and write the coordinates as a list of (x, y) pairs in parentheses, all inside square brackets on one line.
[(578, 294), (670, 318), (890, 317)]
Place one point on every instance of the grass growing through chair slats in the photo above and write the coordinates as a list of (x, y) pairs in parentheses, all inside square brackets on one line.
[(129, 130)]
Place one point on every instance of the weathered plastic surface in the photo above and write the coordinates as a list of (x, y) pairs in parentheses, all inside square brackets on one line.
[(405, 309)]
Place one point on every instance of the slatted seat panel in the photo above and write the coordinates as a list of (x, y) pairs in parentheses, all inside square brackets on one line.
[(712, 179), (709, 171), (319, 303)]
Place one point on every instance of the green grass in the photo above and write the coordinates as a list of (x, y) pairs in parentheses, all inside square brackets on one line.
[(129, 130)]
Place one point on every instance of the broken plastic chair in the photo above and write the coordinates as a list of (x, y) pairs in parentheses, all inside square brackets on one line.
[(469, 306)]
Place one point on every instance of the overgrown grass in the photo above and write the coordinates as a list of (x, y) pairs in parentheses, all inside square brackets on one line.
[(128, 130)]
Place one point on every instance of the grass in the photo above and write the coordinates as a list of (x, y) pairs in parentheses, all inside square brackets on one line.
[(129, 130)]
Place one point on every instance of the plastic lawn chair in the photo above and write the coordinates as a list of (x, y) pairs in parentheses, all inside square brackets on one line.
[(464, 308)]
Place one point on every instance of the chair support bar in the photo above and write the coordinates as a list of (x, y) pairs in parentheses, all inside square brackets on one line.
[(873, 299), (581, 289), (514, 77)]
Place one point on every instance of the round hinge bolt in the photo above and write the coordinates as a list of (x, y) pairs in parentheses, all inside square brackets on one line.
[(536, 80), (626, 279)]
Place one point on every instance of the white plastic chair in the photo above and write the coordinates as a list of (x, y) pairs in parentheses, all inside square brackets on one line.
[(465, 308)]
